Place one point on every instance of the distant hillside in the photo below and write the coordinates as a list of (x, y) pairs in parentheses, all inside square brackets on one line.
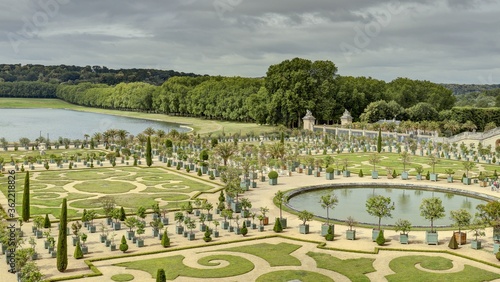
[(460, 89), (76, 74)]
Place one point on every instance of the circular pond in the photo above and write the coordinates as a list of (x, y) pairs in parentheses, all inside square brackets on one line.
[(406, 201)]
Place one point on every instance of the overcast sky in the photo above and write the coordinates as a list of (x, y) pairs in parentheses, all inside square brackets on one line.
[(456, 41)]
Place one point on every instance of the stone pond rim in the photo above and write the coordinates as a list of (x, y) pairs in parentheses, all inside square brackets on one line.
[(409, 186)]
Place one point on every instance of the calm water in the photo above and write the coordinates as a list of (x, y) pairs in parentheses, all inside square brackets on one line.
[(17, 123), (406, 202)]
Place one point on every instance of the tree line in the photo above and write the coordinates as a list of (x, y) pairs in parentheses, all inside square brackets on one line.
[(77, 74), (281, 97)]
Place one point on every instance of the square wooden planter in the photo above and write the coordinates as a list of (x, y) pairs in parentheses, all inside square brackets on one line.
[(475, 244), (461, 237), (431, 238), (403, 238), (304, 229), (350, 234)]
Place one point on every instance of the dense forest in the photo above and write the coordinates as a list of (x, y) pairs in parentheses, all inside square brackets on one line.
[(76, 74), (281, 97)]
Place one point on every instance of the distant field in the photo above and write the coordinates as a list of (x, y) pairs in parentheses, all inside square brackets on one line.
[(200, 126)]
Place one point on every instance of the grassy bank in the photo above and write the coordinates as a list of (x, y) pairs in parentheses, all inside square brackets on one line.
[(200, 126)]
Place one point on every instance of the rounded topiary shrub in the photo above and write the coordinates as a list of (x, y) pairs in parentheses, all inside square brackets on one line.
[(123, 244), (329, 169), (329, 236), (498, 256), (272, 175)]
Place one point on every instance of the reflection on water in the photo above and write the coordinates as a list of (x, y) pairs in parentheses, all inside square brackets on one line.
[(406, 202), (31, 123)]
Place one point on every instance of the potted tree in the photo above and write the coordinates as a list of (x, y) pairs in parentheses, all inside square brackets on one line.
[(83, 246), (490, 214), (76, 226), (225, 214), (305, 216), (404, 226), (450, 173), (261, 220), (419, 169), (461, 218), (328, 202), (246, 205), (273, 177), (380, 207), (350, 233), (216, 232), (405, 160), (38, 223), (191, 224), (131, 223), (280, 199), (164, 218), (346, 173), (140, 230), (477, 230), (374, 159), (179, 217), (203, 227), (264, 211), (431, 209), (433, 160), (156, 225), (468, 165), (330, 171), (90, 216), (104, 232), (208, 207)]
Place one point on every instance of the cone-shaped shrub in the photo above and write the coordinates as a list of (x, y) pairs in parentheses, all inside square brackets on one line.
[(46, 222), (165, 241), (277, 226), (380, 238), (123, 216), (149, 157), (361, 173), (160, 275), (123, 244), (207, 237), (78, 251), (26, 197), (453, 243), (244, 229), (329, 236), (62, 241)]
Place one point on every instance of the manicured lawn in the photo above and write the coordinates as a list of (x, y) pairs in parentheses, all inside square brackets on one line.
[(175, 267), (122, 277), (293, 275), (275, 255), (354, 269), (405, 271), (105, 186)]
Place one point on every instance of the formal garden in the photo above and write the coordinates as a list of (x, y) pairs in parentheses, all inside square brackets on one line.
[(180, 201)]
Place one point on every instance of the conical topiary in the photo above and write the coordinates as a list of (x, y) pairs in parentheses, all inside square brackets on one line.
[(244, 229), (380, 238), (160, 275), (329, 235), (453, 243), (206, 236), (361, 173), (278, 228), (78, 251), (123, 215), (165, 241), (123, 244), (46, 222)]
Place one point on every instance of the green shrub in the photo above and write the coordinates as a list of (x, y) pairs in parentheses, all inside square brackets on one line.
[(329, 236), (160, 275), (380, 238), (178, 167), (123, 216), (123, 244), (212, 177), (78, 251), (244, 229), (207, 237), (272, 174), (394, 174), (498, 256), (453, 243), (188, 169), (330, 169), (361, 173), (199, 172), (278, 228), (165, 241), (427, 176), (46, 222)]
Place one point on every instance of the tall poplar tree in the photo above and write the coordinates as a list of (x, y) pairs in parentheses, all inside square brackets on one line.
[(149, 158), (379, 141), (62, 242), (26, 198)]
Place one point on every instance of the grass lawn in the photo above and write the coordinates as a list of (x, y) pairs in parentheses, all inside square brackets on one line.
[(175, 267), (201, 126), (293, 275), (405, 270), (122, 277), (275, 255), (105, 186), (353, 269)]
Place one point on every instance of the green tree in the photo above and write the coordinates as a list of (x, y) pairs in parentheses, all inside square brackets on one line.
[(379, 206), (160, 275), (78, 254), (62, 243), (379, 141), (149, 157), (123, 215), (431, 209), (328, 202), (26, 197), (380, 238), (165, 241), (278, 228), (46, 221), (123, 244)]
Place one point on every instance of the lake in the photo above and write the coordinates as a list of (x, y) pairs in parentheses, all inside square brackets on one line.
[(31, 123)]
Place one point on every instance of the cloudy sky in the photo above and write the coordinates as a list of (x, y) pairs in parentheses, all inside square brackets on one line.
[(456, 41)]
